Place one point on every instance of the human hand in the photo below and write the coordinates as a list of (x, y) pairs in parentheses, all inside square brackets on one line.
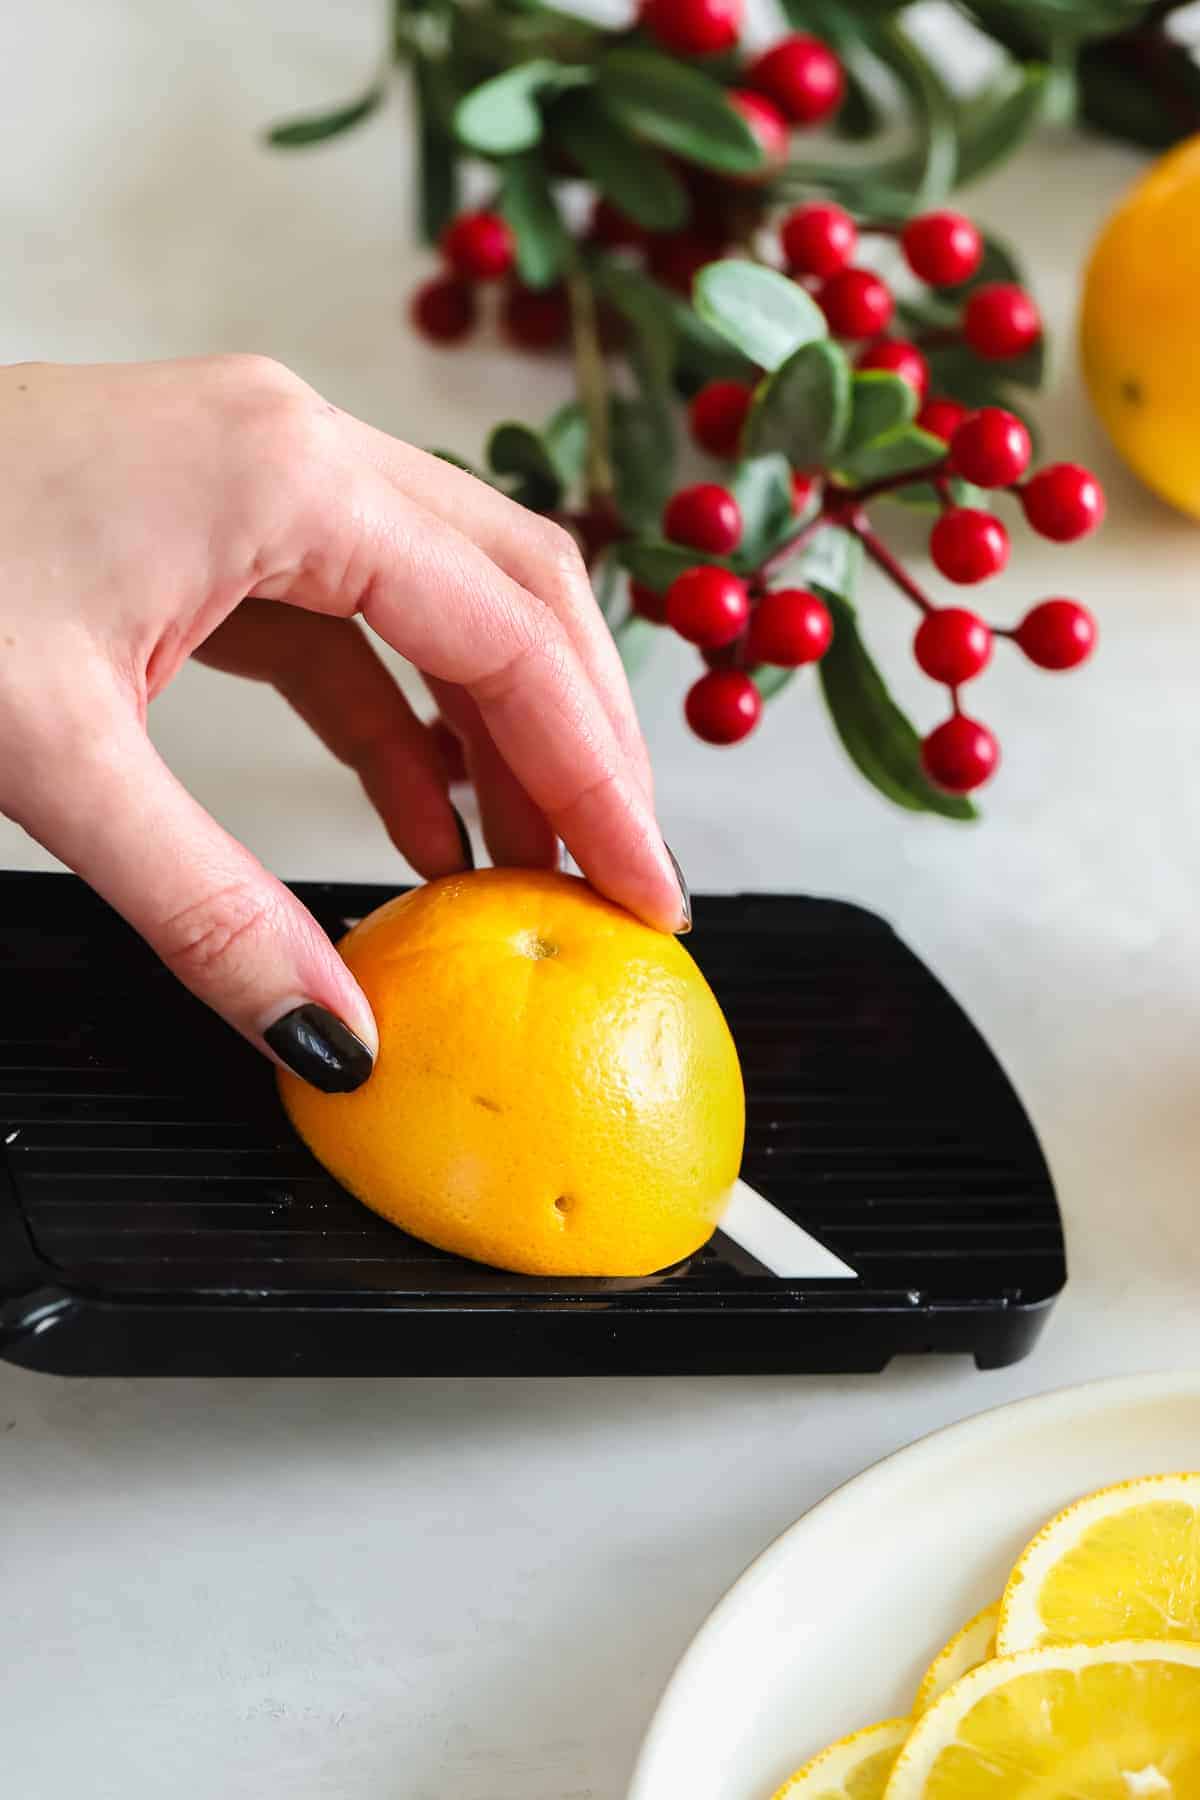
[(155, 510)]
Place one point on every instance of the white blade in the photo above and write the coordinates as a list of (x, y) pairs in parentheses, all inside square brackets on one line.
[(774, 1240)]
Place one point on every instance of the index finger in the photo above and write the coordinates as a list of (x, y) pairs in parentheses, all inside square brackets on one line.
[(435, 597), (534, 551)]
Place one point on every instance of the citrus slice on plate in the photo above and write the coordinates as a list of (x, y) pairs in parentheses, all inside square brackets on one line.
[(1124, 1563), (855, 1768), (1078, 1722), (974, 1644)]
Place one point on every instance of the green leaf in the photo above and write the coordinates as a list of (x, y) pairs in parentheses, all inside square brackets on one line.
[(643, 454), (909, 448), (656, 564), (672, 335), (316, 127), (516, 450), (767, 316), (875, 734), (993, 125), (880, 404), (934, 163), (609, 586), (678, 107), (502, 117), (635, 639), (803, 409), (566, 442), (527, 202), (638, 183), (1115, 97), (770, 681), (762, 487), (437, 162), (833, 558), (458, 462)]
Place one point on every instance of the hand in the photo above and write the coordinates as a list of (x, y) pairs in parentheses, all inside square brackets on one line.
[(152, 511)]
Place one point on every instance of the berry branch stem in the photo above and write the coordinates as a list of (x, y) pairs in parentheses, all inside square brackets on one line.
[(592, 382), (883, 558), (779, 558)]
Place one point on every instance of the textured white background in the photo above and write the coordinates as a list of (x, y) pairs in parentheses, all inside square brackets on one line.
[(402, 1591)]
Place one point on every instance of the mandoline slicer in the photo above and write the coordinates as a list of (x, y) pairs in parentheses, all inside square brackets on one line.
[(158, 1216)]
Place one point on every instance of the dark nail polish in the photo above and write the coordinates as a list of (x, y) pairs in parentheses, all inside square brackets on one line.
[(464, 838), (684, 894), (316, 1046)]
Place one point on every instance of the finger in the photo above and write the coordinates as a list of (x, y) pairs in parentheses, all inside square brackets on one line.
[(516, 833), (327, 670), (230, 931), (538, 554), (436, 598)]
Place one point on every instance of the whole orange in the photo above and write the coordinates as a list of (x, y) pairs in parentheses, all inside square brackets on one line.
[(1138, 327), (556, 1092)]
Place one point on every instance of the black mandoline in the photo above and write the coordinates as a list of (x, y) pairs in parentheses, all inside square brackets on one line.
[(157, 1215)]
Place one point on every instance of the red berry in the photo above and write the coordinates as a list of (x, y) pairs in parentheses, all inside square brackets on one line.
[(444, 309), (1058, 634), (1001, 321), (723, 706), (803, 488), (768, 125), (648, 604), (677, 257), (479, 246), (612, 229), (448, 747), (536, 319), (898, 357), (802, 76), (790, 627), (708, 606), (952, 645), (693, 27), (705, 517), (967, 545), (856, 303), (941, 418), (818, 239), (991, 448), (943, 248), (717, 414), (1063, 502), (960, 755)]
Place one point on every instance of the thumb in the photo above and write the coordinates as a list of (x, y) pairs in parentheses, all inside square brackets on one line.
[(227, 928)]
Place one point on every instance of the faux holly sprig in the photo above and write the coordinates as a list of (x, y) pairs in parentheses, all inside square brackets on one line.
[(635, 192)]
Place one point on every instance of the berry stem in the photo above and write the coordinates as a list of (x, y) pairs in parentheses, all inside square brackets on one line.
[(592, 381), (888, 484), (779, 558), (884, 559)]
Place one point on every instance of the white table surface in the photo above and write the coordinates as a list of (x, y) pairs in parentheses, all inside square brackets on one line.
[(405, 1590)]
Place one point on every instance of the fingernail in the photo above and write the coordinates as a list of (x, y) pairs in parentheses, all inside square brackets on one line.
[(684, 894), (464, 838), (315, 1045)]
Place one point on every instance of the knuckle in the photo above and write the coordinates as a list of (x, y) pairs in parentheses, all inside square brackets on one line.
[(564, 560), (215, 935)]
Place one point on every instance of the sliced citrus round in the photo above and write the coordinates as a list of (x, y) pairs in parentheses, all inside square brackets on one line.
[(855, 1768), (1124, 1563), (974, 1644), (1077, 1722)]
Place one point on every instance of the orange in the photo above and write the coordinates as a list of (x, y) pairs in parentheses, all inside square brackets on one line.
[(1138, 327), (556, 1092)]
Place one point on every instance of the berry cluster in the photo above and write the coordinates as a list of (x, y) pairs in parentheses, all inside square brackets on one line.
[(478, 248), (740, 623)]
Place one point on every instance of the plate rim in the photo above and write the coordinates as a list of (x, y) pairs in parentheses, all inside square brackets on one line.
[(1103, 1391)]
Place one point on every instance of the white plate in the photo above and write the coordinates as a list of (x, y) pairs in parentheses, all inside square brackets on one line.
[(831, 1628)]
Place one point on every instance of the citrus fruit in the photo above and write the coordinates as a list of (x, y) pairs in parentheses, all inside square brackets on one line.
[(974, 1644), (1079, 1722), (1124, 1563), (556, 1090), (855, 1768), (1137, 327)]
